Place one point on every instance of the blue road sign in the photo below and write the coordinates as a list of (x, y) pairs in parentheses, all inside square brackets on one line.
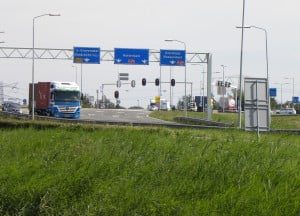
[(86, 55), (295, 100), (273, 92), (131, 56), (172, 57)]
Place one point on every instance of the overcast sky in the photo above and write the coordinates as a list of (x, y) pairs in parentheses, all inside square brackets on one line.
[(205, 26)]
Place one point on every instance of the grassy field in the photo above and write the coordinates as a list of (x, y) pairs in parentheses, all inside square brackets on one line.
[(277, 122), (56, 169)]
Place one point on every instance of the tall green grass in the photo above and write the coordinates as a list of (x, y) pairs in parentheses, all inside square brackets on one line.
[(277, 121), (86, 170)]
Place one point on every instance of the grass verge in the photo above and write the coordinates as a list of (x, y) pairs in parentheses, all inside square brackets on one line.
[(278, 122), (58, 169)]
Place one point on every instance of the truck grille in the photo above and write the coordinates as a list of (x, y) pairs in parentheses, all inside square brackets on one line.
[(67, 109)]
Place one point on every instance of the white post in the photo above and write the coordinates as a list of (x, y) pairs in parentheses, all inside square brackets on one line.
[(209, 77), (185, 100), (81, 81), (170, 87), (32, 82)]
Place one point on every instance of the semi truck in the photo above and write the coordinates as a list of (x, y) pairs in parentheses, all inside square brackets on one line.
[(56, 98)]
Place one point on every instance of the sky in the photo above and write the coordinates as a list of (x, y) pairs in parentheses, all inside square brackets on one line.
[(205, 26)]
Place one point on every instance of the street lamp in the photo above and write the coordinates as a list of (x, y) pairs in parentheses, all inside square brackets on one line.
[(73, 66), (292, 78), (223, 88), (267, 56), (281, 84), (266, 38), (185, 102), (203, 83), (33, 57)]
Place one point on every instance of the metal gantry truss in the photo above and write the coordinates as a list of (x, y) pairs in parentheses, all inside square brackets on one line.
[(107, 55), (67, 54)]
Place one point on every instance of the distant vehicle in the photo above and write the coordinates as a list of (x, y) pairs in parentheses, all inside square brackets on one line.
[(165, 105), (11, 107), (152, 108), (228, 103), (58, 99), (288, 111), (201, 103)]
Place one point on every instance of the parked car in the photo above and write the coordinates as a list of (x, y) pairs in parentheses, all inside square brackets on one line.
[(11, 107), (288, 111)]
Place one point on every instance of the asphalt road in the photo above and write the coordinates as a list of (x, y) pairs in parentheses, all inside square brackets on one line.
[(119, 115)]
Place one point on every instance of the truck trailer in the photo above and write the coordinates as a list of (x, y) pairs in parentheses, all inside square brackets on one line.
[(57, 99)]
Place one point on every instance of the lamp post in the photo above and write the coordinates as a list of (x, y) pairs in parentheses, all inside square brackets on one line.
[(292, 78), (203, 83), (33, 57), (266, 44), (223, 88), (185, 102), (267, 56), (73, 66), (281, 84)]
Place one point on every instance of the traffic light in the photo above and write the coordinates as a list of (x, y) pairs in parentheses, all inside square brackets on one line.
[(132, 83), (116, 94), (157, 82), (227, 84), (173, 82), (144, 81), (220, 83)]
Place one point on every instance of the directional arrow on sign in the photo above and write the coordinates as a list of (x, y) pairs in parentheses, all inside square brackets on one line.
[(172, 62), (86, 60), (118, 60), (144, 61)]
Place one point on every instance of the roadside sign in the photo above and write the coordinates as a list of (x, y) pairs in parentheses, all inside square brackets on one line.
[(131, 56), (273, 92), (172, 57), (256, 105), (124, 76), (295, 100), (86, 55)]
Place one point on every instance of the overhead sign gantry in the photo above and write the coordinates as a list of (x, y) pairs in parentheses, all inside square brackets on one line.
[(109, 55)]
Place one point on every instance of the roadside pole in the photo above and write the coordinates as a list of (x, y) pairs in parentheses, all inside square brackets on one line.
[(209, 77)]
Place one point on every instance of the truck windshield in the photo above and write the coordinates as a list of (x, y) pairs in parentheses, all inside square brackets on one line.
[(67, 96)]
